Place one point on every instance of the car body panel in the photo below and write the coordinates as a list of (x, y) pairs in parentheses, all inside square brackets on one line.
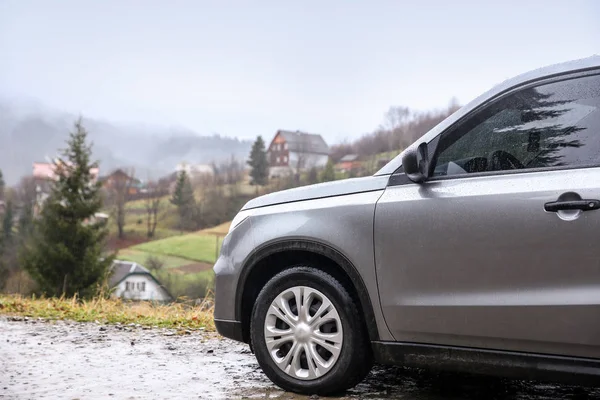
[(511, 364), (236, 247), (343, 223), (478, 262), (321, 190)]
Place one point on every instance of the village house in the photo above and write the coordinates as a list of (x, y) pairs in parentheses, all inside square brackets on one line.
[(119, 178), (131, 281), (46, 171), (195, 170), (293, 152), (350, 162)]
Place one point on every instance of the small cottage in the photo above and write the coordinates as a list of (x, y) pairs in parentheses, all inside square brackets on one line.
[(350, 162), (196, 170), (131, 281), (292, 152), (121, 179)]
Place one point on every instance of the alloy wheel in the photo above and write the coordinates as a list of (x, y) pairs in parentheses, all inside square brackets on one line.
[(303, 333)]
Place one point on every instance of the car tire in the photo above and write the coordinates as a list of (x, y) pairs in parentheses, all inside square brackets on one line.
[(330, 372)]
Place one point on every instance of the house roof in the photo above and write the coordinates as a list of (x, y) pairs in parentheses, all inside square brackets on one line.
[(119, 172), (43, 170), (46, 170), (349, 157), (303, 142), (120, 269)]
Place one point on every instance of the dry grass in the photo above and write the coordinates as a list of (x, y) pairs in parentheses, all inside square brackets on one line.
[(176, 315)]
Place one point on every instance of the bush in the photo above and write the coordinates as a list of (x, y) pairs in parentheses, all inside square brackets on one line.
[(154, 263)]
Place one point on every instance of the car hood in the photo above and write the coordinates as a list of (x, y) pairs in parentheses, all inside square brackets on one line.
[(328, 189)]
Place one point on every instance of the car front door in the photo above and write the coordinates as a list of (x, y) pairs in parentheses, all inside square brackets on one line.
[(500, 248)]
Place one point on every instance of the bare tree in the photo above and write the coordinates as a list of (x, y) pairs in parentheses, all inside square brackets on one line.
[(154, 195), (213, 205), (400, 127), (233, 170), (395, 122), (120, 182)]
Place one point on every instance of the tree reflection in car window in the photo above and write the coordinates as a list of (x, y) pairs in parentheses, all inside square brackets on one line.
[(552, 125)]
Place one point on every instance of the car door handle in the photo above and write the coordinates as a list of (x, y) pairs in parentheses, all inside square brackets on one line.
[(583, 205)]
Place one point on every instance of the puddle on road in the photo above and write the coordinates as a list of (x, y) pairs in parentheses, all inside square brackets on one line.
[(411, 384), (65, 360)]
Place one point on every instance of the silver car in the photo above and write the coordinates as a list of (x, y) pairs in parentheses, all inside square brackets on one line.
[(477, 249)]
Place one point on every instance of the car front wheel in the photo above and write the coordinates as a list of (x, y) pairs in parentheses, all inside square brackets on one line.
[(307, 333)]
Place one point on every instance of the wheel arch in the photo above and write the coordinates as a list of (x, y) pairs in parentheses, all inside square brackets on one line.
[(286, 253)]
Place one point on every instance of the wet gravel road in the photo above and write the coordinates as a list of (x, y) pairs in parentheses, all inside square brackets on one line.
[(68, 360)]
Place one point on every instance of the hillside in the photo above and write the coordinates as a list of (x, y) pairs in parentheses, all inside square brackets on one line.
[(185, 261), (33, 133)]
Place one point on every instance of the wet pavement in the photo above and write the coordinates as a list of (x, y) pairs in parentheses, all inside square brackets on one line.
[(69, 360)]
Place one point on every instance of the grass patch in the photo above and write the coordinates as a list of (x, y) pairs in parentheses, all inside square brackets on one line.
[(141, 257), (175, 315), (141, 204), (192, 246)]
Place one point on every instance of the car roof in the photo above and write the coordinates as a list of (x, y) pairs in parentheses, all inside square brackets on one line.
[(536, 74)]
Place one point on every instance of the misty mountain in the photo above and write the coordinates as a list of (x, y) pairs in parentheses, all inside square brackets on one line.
[(29, 132)]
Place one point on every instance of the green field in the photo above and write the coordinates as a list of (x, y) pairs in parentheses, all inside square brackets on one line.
[(187, 260), (196, 246), (141, 257), (192, 247)]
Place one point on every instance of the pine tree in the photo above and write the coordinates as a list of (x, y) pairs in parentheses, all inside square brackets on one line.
[(25, 223), (183, 199), (258, 163), (328, 173), (66, 252)]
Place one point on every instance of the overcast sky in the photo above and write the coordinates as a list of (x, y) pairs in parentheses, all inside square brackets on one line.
[(243, 68)]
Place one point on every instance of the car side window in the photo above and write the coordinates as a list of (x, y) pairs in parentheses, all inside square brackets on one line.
[(547, 126)]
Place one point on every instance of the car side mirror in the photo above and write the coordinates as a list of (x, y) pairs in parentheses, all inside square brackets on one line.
[(415, 162)]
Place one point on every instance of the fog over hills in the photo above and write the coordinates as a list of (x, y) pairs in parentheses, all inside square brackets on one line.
[(31, 132)]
